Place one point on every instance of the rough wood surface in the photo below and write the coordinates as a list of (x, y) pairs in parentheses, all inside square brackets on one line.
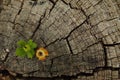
[(82, 37)]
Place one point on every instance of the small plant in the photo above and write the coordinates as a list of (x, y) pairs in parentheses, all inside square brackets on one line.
[(26, 48)]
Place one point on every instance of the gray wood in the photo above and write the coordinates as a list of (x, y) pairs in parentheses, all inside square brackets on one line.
[(81, 36)]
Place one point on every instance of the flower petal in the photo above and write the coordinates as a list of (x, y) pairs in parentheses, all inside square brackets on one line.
[(44, 53)]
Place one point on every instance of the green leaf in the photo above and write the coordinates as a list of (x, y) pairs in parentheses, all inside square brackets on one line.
[(32, 44), (30, 54), (20, 52), (21, 43)]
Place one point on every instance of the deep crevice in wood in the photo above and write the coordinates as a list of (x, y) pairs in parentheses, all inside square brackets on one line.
[(39, 24), (54, 3), (69, 46)]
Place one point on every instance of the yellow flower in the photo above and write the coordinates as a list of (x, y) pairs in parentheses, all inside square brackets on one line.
[(41, 53)]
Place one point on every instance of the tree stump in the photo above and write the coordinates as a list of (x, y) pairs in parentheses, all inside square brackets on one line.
[(81, 36)]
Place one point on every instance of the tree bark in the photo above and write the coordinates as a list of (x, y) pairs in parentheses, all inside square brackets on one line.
[(81, 36)]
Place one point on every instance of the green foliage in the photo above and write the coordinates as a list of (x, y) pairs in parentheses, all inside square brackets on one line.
[(26, 48)]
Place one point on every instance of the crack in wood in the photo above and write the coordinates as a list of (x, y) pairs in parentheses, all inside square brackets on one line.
[(70, 5), (21, 7), (54, 3), (64, 77), (90, 46), (32, 72), (102, 43), (86, 20), (105, 53), (63, 38), (104, 21), (21, 35), (39, 24), (43, 41), (35, 2), (52, 42), (18, 13), (28, 16), (111, 45), (75, 29), (69, 46), (98, 3)]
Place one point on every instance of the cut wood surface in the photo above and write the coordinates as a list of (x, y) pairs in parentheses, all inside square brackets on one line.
[(81, 36)]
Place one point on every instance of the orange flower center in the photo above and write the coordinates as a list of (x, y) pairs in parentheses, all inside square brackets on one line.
[(40, 54)]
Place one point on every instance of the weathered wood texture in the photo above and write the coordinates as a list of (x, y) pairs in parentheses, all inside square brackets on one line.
[(82, 37)]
